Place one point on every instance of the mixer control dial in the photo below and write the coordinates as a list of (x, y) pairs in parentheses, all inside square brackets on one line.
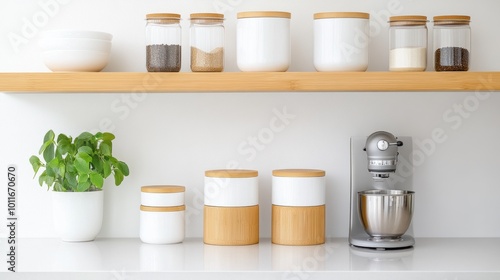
[(382, 145)]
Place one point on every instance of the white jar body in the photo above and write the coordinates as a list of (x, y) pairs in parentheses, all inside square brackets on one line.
[(341, 44), (263, 44), (298, 191), (162, 199), (231, 192), (158, 227)]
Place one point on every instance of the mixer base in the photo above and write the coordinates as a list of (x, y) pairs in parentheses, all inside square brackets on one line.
[(381, 243)]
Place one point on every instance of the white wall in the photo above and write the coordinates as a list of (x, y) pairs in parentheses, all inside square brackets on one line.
[(174, 138)]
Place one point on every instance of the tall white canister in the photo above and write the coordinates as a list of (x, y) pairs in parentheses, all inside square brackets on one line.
[(341, 41), (263, 41)]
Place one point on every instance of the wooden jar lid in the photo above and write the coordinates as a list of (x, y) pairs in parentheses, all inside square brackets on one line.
[(163, 209), (163, 189), (341, 15), (231, 173), (299, 173), (260, 14)]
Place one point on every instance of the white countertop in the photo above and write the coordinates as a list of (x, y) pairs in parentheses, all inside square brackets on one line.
[(129, 258)]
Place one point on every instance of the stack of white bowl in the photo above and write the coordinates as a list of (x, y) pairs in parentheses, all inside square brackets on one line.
[(75, 50)]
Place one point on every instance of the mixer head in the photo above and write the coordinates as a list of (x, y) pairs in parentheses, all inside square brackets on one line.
[(382, 151)]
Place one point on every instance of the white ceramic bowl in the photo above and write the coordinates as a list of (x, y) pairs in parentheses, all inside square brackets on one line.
[(75, 60), (73, 44), (69, 33)]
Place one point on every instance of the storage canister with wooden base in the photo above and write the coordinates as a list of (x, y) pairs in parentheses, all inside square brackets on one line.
[(231, 212), (162, 214), (298, 210)]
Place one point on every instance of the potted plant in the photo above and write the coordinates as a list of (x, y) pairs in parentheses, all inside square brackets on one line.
[(75, 170)]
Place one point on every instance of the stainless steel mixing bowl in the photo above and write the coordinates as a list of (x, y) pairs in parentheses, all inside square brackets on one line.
[(385, 213)]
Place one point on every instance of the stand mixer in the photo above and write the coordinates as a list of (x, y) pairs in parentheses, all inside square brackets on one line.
[(381, 191)]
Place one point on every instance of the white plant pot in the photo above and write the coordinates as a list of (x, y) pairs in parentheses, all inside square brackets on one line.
[(77, 215)]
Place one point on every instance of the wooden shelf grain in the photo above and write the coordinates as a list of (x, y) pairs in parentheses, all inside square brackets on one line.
[(130, 82)]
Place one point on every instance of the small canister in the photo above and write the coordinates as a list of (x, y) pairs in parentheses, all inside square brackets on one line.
[(231, 211), (298, 207), (408, 43), (163, 43), (162, 214), (452, 43), (341, 41), (207, 42), (263, 41)]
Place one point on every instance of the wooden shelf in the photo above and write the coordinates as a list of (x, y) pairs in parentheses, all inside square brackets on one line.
[(249, 82)]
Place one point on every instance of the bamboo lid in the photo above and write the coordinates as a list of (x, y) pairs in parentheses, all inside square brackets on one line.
[(452, 20), (163, 189), (299, 173), (231, 173), (163, 16), (260, 14), (163, 209), (412, 20), (341, 15), (206, 16)]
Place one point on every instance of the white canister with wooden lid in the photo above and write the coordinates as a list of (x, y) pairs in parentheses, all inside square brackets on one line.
[(162, 195), (298, 207), (231, 211), (162, 225)]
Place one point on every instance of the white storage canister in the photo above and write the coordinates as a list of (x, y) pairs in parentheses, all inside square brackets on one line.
[(162, 214), (341, 41), (162, 196), (231, 211), (298, 207), (263, 41), (162, 225)]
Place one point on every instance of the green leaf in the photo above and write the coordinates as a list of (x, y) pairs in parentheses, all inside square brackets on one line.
[(82, 155), (42, 177), (123, 167), (96, 180), (105, 148), (48, 153), (82, 166), (83, 186), (49, 136), (106, 168), (97, 163), (86, 149), (53, 168), (83, 178), (85, 136), (118, 177), (44, 146), (71, 180), (64, 147), (62, 137), (35, 163), (107, 136), (62, 169)]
